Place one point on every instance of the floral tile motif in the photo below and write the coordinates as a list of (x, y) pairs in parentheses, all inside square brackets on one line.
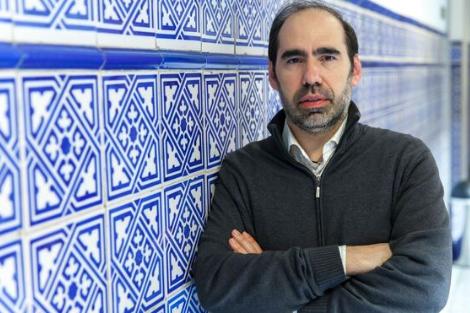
[(250, 34), (185, 205), (252, 116), (69, 268), (182, 124), (132, 138), (12, 282), (136, 255), (179, 25), (119, 19), (62, 145), (221, 110), (185, 301), (59, 17), (218, 25), (10, 194)]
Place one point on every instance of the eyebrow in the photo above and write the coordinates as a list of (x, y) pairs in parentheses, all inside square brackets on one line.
[(320, 51)]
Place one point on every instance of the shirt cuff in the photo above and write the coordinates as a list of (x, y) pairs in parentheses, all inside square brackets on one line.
[(342, 254)]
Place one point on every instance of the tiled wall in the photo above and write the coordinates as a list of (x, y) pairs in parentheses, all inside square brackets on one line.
[(456, 103), (108, 156)]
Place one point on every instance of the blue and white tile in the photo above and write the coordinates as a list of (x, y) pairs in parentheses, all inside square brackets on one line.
[(273, 103), (56, 22), (185, 210), (218, 26), (63, 145), (250, 37), (182, 124), (10, 180), (12, 283), (221, 115), (127, 24), (179, 25), (6, 20), (137, 258), (185, 301), (68, 266), (252, 109), (271, 9), (132, 136)]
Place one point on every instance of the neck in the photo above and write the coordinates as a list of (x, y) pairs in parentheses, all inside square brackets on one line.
[(313, 143)]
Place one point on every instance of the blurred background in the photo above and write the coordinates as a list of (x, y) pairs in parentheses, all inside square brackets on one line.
[(115, 116)]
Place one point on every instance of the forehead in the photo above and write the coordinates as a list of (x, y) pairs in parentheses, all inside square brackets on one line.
[(311, 28)]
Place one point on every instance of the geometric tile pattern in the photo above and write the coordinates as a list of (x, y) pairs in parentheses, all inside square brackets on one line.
[(131, 133), (250, 15), (125, 17), (136, 255), (221, 120), (69, 268), (63, 145), (182, 121), (185, 208), (57, 15), (185, 301), (178, 20), (273, 102), (252, 108), (10, 195), (12, 282), (219, 22), (6, 14)]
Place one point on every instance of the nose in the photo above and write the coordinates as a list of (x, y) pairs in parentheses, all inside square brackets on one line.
[(312, 73)]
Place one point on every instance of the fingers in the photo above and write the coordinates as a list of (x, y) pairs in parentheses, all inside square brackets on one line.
[(244, 243)]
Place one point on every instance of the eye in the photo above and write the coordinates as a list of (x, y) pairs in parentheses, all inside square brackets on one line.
[(294, 60), (327, 58)]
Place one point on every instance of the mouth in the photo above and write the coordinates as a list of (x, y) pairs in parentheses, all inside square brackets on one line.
[(313, 101)]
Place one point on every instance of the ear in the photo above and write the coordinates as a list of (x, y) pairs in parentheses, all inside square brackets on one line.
[(357, 70), (272, 76)]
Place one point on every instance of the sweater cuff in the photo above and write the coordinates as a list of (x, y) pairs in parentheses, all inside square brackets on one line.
[(327, 266), (319, 305)]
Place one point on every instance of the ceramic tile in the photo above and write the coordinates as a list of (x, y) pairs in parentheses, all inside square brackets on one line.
[(218, 26), (132, 136), (273, 103), (221, 111), (10, 180), (12, 282), (6, 22), (179, 25), (252, 113), (271, 9), (55, 22), (185, 301), (250, 34), (127, 24), (62, 144), (68, 267), (182, 124), (185, 208), (137, 262)]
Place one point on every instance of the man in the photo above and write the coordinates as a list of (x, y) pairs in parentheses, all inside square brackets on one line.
[(327, 214)]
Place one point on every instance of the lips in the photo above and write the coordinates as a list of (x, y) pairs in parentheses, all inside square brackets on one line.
[(313, 101)]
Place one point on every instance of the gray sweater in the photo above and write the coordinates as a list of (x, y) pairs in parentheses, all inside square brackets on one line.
[(379, 186)]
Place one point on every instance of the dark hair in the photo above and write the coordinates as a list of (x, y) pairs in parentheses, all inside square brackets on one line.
[(291, 8)]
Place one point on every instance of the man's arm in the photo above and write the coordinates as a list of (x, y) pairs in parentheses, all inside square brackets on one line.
[(274, 281)]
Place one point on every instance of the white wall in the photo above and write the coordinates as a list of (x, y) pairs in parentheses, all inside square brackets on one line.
[(427, 12)]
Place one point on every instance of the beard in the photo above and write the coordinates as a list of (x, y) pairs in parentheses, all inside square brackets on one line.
[(318, 120)]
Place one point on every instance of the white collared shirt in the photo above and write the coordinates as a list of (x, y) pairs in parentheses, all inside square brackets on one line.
[(299, 154)]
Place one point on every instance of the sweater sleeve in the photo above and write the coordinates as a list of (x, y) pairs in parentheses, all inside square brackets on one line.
[(273, 281), (417, 277)]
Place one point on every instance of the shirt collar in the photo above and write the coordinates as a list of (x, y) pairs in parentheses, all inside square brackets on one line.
[(289, 139)]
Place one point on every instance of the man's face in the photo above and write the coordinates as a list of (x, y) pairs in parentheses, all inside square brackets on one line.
[(313, 73)]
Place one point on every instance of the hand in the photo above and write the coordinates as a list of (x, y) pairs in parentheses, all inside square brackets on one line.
[(244, 243), (363, 259)]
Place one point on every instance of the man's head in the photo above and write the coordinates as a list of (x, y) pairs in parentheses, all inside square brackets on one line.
[(313, 64)]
